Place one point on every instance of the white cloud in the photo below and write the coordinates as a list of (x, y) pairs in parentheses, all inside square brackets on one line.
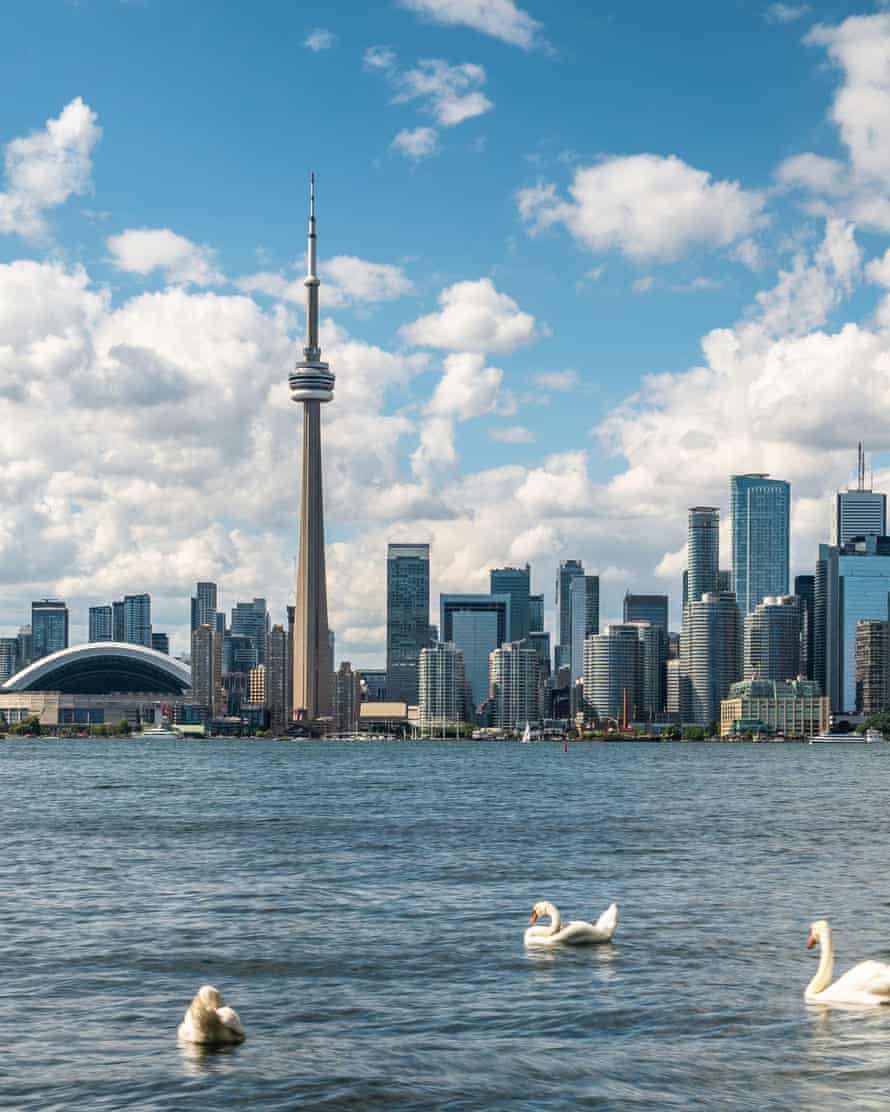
[(45, 168), (500, 18), (785, 13), (474, 317), (451, 92), (379, 57), (467, 388), (558, 380), (647, 207), (143, 250), (319, 39), (416, 143), (512, 434), (346, 279), (643, 285)]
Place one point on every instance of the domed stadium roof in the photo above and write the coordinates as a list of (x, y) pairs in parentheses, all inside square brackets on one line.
[(104, 668)]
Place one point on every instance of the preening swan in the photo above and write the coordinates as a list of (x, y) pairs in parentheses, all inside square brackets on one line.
[(209, 1021), (575, 933), (866, 983)]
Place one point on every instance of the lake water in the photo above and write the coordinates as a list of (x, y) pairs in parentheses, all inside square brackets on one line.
[(362, 905)]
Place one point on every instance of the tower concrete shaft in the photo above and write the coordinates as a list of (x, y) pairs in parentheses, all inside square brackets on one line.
[(311, 383)]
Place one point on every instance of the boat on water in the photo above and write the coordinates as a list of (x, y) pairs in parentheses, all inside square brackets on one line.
[(526, 735), (159, 731), (841, 739)]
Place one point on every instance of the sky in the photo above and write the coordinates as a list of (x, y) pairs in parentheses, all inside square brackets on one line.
[(580, 261)]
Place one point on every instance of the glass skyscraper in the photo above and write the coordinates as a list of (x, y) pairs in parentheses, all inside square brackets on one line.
[(252, 620), (859, 513), (647, 608), (761, 533), (702, 553), (584, 611), (204, 606), (477, 625), (100, 623), (407, 618), (49, 627), (515, 582), (567, 571), (137, 619)]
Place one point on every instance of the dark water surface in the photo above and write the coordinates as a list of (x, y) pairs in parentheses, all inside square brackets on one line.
[(362, 905)]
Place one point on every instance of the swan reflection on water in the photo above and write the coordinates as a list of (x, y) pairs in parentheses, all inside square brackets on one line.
[(604, 954), (199, 1060)]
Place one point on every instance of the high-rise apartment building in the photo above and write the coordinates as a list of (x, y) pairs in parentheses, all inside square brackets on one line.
[(407, 618), (49, 627), (651, 685), (761, 534), (476, 625), (118, 622), (347, 699), (100, 628), (805, 589), (772, 639), (442, 685), (702, 552), (567, 571), (160, 642), (204, 606), (612, 673), (514, 686), (251, 619), (137, 620), (536, 613), (256, 685), (25, 640), (647, 608), (204, 677), (712, 655), (515, 582), (584, 619), (277, 666), (540, 642), (9, 652), (872, 671)]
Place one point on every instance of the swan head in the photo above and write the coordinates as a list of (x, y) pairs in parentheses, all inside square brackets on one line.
[(543, 909), (209, 996), (819, 931)]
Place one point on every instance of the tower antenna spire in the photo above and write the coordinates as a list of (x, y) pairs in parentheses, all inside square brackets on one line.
[(312, 351)]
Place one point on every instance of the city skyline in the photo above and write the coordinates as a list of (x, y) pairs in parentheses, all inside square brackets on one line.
[(543, 377)]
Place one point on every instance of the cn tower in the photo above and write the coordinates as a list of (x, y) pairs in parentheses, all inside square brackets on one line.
[(311, 383)]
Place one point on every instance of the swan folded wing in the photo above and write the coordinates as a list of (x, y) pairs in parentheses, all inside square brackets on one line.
[(871, 977), (230, 1019), (608, 921)]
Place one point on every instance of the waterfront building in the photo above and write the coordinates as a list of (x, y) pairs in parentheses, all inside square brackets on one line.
[(805, 589), (251, 619), (137, 620), (477, 625), (672, 688), (536, 613), (9, 652), (772, 639), (277, 665), (347, 699), (872, 671), (515, 582), (118, 622), (407, 618), (204, 608), (859, 511), (791, 709), (207, 671), (702, 552), (567, 571), (100, 627), (852, 584), (49, 626), (647, 608), (442, 686), (160, 642), (514, 686), (373, 682), (650, 696), (612, 673), (584, 619), (256, 685), (761, 532), (712, 655)]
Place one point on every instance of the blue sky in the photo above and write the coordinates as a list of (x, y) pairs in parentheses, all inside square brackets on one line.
[(601, 192)]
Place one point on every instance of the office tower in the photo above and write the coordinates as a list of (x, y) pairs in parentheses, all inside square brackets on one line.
[(852, 584), (118, 622), (203, 670), (441, 686), (584, 618), (651, 679), (515, 582), (250, 619), (373, 681), (160, 642), (9, 652), (49, 627), (276, 679), (761, 532), (312, 385), (347, 699), (567, 571), (137, 619), (612, 673), (805, 589), (872, 673), (702, 551), (514, 686), (101, 628), (407, 618), (647, 608), (535, 613), (256, 685), (859, 511), (540, 642), (477, 625), (239, 653), (26, 646), (772, 639), (204, 606), (712, 648), (724, 580)]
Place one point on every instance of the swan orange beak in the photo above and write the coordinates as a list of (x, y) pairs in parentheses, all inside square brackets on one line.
[(534, 918), (811, 941)]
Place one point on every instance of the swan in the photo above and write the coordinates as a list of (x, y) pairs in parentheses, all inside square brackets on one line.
[(209, 1021), (866, 983), (576, 932)]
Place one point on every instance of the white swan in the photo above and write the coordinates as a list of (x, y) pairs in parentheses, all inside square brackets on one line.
[(209, 1021), (576, 932), (866, 983)]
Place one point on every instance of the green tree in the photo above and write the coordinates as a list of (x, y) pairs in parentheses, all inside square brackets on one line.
[(693, 733)]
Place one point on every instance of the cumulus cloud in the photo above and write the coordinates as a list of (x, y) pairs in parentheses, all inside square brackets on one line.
[(379, 57), (474, 317), (144, 250), (346, 279), (467, 388), (512, 434), (416, 143), (47, 167), (558, 380), (319, 39), (645, 206), (450, 93), (785, 13), (500, 18)]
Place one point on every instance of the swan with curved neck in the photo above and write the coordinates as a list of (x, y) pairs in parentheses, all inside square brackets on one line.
[(867, 983), (576, 932), (209, 1021)]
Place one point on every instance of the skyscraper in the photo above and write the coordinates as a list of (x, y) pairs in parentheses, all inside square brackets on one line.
[(536, 613), (137, 619), (407, 618), (204, 605), (702, 552), (347, 699), (872, 672), (859, 511), (276, 678), (312, 384), (442, 685), (805, 589), (9, 651), (584, 615), (761, 532), (203, 671), (49, 627), (118, 622), (251, 619), (476, 625), (100, 623), (712, 659), (515, 582), (772, 639), (647, 608), (612, 672), (514, 685), (160, 642), (567, 571)]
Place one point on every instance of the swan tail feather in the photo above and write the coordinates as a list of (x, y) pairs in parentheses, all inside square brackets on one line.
[(608, 921)]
